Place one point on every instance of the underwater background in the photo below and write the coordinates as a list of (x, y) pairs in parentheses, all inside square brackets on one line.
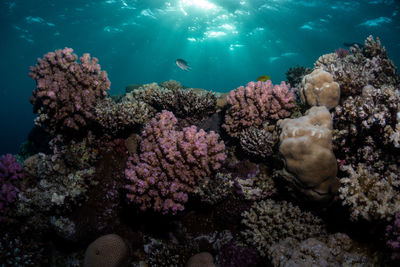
[(227, 43)]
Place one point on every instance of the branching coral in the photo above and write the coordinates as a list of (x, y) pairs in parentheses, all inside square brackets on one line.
[(171, 164), (369, 195), (258, 142), (58, 186), (258, 102), (120, 117), (368, 120), (184, 103), (339, 250), (269, 221), (369, 65), (67, 91)]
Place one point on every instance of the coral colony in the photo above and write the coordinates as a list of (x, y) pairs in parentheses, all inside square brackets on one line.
[(301, 173)]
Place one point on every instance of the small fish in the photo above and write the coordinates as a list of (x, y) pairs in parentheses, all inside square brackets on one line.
[(263, 78), (352, 44), (182, 64)]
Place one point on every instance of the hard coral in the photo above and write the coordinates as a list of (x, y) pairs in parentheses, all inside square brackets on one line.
[(319, 89), (364, 123), (117, 118), (369, 65), (171, 164), (107, 251), (67, 91), (11, 174), (188, 103), (339, 250), (369, 195), (268, 222), (257, 103), (393, 237), (306, 147)]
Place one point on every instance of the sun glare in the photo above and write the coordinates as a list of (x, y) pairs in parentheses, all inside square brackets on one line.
[(200, 4)]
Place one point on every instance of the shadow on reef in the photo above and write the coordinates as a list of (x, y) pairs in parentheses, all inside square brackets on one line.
[(305, 174)]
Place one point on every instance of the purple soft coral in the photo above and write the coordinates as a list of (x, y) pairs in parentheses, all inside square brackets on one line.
[(10, 174), (393, 237), (67, 91), (171, 164), (255, 104)]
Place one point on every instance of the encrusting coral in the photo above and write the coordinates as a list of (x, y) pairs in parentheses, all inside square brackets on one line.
[(258, 102), (67, 91), (306, 148), (369, 195), (319, 89), (268, 222), (171, 164)]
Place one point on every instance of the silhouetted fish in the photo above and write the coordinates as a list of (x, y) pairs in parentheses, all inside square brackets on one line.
[(352, 44), (182, 64)]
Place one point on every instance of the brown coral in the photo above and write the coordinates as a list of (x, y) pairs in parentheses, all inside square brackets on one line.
[(269, 221), (319, 89), (107, 251), (306, 147)]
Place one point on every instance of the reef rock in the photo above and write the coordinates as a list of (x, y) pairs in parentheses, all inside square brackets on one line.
[(319, 89), (306, 147)]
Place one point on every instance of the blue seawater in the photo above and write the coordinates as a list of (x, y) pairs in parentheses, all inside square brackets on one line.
[(226, 42)]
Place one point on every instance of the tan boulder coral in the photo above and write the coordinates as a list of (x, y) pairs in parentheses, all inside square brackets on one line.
[(203, 259), (319, 89), (306, 147), (108, 251)]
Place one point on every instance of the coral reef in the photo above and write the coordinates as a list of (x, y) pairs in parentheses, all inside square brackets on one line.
[(361, 67), (67, 91), (319, 89), (203, 259), (339, 250), (364, 123), (370, 195), (393, 237), (259, 142), (268, 222), (171, 164), (11, 175), (107, 251), (237, 256), (257, 103), (125, 116), (190, 104), (294, 75), (57, 186), (306, 147)]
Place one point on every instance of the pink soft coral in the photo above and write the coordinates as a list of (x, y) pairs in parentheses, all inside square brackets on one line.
[(255, 104), (171, 164)]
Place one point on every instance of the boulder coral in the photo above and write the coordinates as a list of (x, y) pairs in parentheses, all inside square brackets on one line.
[(107, 251), (319, 89), (306, 147)]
